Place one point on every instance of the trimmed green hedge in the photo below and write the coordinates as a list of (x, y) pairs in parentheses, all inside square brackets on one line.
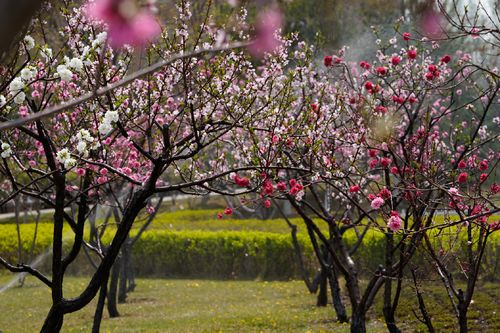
[(243, 254), (224, 254)]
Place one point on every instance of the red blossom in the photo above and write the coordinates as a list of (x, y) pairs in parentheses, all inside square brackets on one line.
[(281, 186), (395, 60), (462, 177), (385, 193), (385, 162), (412, 54), (368, 85), (364, 64), (328, 61), (241, 181), (373, 152), (381, 70), (354, 189), (483, 165), (406, 36), (446, 59)]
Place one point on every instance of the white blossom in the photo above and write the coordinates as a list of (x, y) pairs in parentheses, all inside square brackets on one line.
[(16, 85), (100, 39), (84, 134), (29, 42), (82, 148), (47, 54), (2, 100), (28, 73), (111, 116), (64, 157), (105, 128), (76, 64), (20, 97), (64, 73), (6, 151)]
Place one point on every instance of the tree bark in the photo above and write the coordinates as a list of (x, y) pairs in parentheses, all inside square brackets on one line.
[(100, 308), (338, 305), (358, 322), (54, 321), (113, 288), (323, 289), (125, 267)]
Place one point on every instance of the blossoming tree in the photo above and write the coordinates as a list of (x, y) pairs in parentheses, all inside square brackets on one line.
[(177, 125)]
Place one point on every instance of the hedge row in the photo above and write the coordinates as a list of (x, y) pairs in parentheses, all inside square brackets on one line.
[(228, 254)]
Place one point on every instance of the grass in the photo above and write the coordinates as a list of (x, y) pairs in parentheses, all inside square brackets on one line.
[(181, 306), (160, 305)]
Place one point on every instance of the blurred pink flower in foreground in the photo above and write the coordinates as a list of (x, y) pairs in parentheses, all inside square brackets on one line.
[(127, 24), (431, 23), (268, 22)]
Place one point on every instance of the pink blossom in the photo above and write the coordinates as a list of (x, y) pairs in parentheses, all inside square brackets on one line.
[(268, 22), (101, 180), (80, 172), (395, 223), (267, 203), (150, 210), (406, 36), (474, 33), (127, 24), (431, 23), (377, 203), (228, 211), (453, 191)]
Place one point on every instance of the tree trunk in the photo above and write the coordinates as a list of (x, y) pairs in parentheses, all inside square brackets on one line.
[(358, 322), (122, 290), (338, 305), (323, 289), (462, 317), (113, 288), (54, 321), (388, 309), (100, 308), (131, 274)]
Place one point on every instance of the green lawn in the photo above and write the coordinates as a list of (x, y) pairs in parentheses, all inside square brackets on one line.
[(229, 306)]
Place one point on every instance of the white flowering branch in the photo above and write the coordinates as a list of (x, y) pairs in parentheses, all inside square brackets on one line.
[(126, 80)]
